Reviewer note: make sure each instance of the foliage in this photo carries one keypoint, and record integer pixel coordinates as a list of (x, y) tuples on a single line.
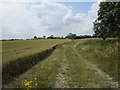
[(108, 22), (44, 37), (83, 36), (51, 37), (71, 36), (74, 36), (35, 37)]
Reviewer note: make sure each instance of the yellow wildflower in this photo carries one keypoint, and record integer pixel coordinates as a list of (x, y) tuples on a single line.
[(28, 84)]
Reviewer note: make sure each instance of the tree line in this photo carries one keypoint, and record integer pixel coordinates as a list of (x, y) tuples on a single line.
[(69, 36)]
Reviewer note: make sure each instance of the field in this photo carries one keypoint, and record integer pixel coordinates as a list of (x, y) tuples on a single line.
[(20, 55), (82, 63), (13, 50)]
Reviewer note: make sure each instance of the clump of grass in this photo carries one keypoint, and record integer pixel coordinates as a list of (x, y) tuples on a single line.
[(103, 53)]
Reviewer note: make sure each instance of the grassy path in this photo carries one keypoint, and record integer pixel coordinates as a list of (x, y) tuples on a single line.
[(76, 72), (62, 79), (66, 68), (98, 71)]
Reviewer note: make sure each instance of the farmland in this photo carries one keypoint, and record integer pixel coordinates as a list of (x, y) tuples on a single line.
[(60, 44), (13, 50), (82, 63), (21, 55)]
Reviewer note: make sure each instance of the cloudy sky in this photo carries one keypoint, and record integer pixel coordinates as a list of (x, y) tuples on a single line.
[(26, 19)]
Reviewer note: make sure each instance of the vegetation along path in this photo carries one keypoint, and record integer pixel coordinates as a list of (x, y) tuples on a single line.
[(77, 72), (67, 67), (98, 71), (62, 79)]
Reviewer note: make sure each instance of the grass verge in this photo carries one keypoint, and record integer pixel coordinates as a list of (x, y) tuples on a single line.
[(102, 53), (82, 76)]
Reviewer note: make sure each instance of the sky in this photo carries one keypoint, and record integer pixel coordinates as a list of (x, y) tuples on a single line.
[(27, 19)]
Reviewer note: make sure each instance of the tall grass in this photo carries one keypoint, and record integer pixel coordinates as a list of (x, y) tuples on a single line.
[(103, 53)]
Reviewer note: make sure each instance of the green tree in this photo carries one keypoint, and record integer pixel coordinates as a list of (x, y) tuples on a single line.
[(44, 37), (71, 36), (108, 22), (35, 37)]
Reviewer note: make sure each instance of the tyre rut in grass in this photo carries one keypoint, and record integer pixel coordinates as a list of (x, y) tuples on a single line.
[(62, 78)]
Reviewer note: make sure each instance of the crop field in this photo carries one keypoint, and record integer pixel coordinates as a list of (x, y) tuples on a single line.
[(13, 50), (82, 63)]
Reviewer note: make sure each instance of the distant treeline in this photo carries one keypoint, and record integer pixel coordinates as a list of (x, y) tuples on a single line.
[(50, 37), (74, 36), (69, 36), (11, 39)]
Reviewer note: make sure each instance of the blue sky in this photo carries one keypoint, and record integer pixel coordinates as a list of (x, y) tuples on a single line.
[(26, 19), (79, 7)]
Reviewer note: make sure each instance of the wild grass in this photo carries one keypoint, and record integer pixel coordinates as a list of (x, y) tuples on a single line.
[(42, 75), (102, 53), (82, 76)]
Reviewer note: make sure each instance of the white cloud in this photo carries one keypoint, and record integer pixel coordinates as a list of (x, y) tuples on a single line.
[(81, 23), (24, 20)]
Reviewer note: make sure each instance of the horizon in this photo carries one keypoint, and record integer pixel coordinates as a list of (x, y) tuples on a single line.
[(41, 37)]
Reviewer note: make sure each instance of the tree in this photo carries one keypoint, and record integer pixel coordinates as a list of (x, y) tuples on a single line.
[(44, 37), (51, 37), (62, 37), (108, 22), (35, 37), (71, 36)]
